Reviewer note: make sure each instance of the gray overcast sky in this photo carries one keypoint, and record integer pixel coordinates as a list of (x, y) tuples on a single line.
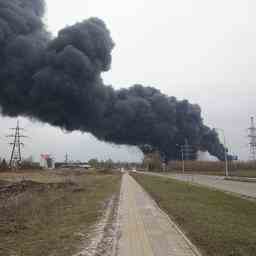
[(201, 50)]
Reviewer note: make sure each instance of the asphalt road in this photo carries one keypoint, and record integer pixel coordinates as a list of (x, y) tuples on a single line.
[(247, 189)]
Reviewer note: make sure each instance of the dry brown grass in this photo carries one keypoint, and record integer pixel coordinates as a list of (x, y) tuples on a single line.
[(37, 176), (197, 166), (214, 168), (45, 213)]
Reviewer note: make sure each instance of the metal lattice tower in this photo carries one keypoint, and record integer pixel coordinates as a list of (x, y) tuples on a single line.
[(16, 158), (66, 158), (252, 140)]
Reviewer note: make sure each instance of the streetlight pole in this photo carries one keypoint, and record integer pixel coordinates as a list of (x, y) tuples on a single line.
[(182, 157), (183, 161), (225, 146)]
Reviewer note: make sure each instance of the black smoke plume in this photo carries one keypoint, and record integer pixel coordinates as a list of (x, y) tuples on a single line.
[(58, 81)]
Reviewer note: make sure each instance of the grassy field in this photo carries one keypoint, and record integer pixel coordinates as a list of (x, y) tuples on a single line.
[(217, 223), (51, 213)]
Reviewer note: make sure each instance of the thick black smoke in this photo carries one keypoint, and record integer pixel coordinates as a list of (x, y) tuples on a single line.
[(59, 81)]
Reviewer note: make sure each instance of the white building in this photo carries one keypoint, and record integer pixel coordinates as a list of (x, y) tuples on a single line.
[(47, 161)]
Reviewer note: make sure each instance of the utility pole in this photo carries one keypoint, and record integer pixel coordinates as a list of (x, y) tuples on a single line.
[(183, 161), (16, 157), (252, 140), (186, 152), (226, 151)]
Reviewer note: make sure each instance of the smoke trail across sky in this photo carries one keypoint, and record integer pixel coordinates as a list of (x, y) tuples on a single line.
[(58, 81)]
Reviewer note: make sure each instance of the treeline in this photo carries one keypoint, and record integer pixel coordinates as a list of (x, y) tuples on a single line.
[(110, 164), (151, 162), (25, 164)]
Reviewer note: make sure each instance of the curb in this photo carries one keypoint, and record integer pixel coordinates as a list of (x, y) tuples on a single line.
[(172, 223), (241, 179), (117, 229), (190, 244)]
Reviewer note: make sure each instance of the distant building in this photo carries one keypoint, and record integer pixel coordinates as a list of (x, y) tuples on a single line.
[(206, 156), (74, 165), (47, 161), (153, 162)]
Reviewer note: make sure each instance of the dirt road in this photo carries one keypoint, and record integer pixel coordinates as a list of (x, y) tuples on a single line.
[(145, 230), (247, 189)]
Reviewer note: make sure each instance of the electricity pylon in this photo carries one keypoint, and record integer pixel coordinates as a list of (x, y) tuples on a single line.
[(15, 159)]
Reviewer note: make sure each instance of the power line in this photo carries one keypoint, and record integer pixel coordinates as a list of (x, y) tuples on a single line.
[(16, 157)]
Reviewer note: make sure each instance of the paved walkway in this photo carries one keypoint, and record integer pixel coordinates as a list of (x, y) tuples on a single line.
[(218, 182), (145, 229)]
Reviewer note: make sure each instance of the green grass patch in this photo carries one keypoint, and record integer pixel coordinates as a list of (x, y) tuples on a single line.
[(244, 173), (219, 224), (48, 218)]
